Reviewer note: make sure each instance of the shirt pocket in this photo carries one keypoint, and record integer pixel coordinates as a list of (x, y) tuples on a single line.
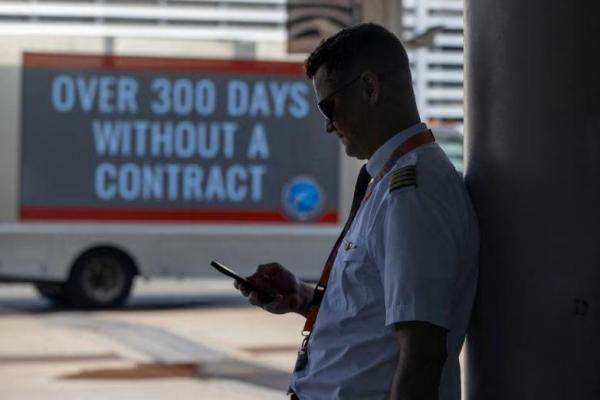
[(350, 293), (355, 254)]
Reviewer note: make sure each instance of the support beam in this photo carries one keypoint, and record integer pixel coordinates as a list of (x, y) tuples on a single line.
[(532, 113), (384, 12)]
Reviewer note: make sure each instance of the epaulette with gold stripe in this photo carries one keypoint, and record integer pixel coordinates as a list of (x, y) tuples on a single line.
[(403, 177)]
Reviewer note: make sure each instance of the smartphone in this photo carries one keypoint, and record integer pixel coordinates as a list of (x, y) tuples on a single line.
[(263, 295)]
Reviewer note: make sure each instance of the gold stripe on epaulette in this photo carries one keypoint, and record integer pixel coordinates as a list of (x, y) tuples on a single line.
[(404, 172), (410, 169), (399, 186), (403, 181), (406, 176), (407, 173), (403, 177)]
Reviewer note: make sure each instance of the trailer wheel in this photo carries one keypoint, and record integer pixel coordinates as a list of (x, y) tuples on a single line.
[(55, 292), (101, 278)]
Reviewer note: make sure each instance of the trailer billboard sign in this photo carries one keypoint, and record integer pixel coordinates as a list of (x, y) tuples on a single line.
[(147, 139)]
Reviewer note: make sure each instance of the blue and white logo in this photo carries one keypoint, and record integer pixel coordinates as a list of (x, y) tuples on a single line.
[(302, 198)]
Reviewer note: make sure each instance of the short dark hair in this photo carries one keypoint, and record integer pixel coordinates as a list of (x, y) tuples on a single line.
[(362, 46)]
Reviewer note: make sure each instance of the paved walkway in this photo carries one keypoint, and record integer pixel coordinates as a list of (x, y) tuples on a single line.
[(191, 341)]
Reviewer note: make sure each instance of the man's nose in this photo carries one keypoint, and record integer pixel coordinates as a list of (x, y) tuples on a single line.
[(329, 126)]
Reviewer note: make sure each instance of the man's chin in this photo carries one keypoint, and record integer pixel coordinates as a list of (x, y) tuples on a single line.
[(351, 151)]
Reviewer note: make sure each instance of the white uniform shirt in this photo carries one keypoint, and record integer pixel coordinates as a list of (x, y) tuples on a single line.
[(410, 255)]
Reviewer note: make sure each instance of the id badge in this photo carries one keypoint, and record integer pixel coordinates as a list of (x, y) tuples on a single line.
[(301, 361)]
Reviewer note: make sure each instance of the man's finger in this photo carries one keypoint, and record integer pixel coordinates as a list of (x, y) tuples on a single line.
[(241, 288), (261, 267), (253, 299), (274, 305)]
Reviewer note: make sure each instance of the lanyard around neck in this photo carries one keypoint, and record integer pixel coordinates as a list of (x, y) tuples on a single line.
[(418, 139)]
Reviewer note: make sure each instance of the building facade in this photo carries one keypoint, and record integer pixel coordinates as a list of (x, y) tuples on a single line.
[(244, 29), (438, 70)]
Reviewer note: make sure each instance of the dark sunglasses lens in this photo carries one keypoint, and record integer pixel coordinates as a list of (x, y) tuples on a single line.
[(326, 108)]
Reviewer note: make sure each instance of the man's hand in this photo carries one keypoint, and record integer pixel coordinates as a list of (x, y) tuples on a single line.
[(421, 360), (292, 295)]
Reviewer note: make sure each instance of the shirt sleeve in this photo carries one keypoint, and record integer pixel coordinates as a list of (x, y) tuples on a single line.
[(416, 254)]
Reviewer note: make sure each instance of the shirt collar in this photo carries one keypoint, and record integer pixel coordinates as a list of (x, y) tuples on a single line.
[(381, 155)]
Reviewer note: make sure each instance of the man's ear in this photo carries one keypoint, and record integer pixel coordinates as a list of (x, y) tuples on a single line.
[(371, 86)]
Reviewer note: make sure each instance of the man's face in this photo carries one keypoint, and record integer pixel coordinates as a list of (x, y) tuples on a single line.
[(344, 101)]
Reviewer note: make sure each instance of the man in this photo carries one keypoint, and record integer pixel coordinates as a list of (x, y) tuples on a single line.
[(392, 317)]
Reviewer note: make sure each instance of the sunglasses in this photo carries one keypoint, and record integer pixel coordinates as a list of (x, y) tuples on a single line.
[(327, 105)]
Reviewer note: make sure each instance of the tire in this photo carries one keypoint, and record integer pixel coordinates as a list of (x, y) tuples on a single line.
[(54, 292), (100, 279)]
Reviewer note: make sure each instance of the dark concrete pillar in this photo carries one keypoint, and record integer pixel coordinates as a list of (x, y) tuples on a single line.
[(532, 85)]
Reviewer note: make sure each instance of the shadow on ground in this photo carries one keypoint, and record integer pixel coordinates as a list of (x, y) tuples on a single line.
[(10, 305)]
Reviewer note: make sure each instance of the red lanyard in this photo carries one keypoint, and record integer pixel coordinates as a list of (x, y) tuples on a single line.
[(421, 138)]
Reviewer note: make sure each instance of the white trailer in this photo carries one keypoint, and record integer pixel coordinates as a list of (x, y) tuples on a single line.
[(88, 252)]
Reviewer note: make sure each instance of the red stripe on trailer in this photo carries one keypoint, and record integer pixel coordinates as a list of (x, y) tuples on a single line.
[(123, 214), (80, 61)]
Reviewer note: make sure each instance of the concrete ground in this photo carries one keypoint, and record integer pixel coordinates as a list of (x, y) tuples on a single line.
[(173, 340)]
